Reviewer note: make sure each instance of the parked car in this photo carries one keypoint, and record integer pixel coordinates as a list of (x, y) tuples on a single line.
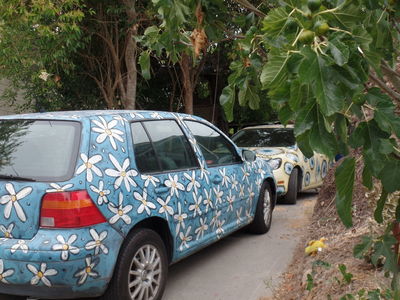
[(292, 170), (101, 202)]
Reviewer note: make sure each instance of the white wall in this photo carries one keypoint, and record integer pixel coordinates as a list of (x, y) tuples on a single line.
[(5, 108)]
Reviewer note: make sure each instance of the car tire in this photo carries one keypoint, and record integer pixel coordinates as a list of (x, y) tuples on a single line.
[(141, 245), (291, 196), (263, 217)]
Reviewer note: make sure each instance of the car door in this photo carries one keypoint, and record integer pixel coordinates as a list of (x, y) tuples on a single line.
[(171, 172), (229, 177)]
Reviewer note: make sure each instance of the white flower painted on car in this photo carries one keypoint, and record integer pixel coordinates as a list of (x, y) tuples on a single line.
[(194, 143), (41, 274), (220, 230), (225, 178), (20, 245), (185, 238), (11, 201), (149, 179), (180, 218), (246, 174), (165, 208), (241, 190), (102, 198), (156, 115), (4, 273), (121, 173), (66, 247), (136, 116), (174, 185), (193, 183), (89, 165), (204, 172), (259, 182), (58, 188), (195, 207), (120, 119), (208, 199), (107, 130), (201, 229), (231, 200), (218, 194), (239, 218), (234, 182), (87, 271), (7, 231), (97, 242), (251, 192), (120, 211), (215, 219), (261, 171), (144, 203)]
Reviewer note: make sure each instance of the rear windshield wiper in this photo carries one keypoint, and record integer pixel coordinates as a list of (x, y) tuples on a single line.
[(18, 178)]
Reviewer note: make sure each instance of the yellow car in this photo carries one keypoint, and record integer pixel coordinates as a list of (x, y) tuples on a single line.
[(292, 170)]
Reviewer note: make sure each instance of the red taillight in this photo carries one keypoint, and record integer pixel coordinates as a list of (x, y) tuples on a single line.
[(69, 210)]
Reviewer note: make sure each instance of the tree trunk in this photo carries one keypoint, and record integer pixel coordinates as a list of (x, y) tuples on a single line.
[(186, 68), (130, 57)]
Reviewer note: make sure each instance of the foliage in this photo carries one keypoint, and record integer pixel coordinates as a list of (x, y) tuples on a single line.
[(320, 83), (36, 42)]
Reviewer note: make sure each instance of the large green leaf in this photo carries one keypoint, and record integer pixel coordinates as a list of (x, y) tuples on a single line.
[(383, 248), (344, 178), (390, 175), (299, 94), (321, 140), (362, 37), (305, 118), (379, 206), (274, 73), (303, 141), (274, 22), (315, 68), (144, 62), (339, 51), (227, 100)]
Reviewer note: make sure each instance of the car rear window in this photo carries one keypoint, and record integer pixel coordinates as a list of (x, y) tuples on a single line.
[(265, 137), (39, 150)]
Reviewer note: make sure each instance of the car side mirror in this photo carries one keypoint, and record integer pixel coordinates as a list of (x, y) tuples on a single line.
[(248, 155)]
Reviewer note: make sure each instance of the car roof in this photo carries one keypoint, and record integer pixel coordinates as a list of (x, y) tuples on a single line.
[(265, 126), (85, 114)]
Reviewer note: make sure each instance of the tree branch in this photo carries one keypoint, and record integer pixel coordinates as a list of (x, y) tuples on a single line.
[(251, 7), (393, 94)]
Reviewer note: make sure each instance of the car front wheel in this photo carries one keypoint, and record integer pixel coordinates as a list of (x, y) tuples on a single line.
[(141, 270), (263, 217), (291, 195)]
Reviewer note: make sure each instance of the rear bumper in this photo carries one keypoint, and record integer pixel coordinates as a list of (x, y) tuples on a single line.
[(40, 268)]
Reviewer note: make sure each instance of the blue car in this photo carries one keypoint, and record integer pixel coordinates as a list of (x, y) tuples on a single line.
[(100, 203)]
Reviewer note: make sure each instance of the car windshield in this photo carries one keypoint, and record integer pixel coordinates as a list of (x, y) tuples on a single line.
[(38, 150), (265, 137)]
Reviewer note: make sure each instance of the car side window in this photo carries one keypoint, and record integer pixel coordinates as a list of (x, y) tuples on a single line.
[(216, 149), (161, 146)]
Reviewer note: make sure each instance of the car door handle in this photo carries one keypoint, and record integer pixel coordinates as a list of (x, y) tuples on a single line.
[(216, 179), (161, 189)]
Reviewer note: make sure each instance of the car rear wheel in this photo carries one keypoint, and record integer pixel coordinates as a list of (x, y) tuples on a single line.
[(141, 270), (291, 196), (263, 217)]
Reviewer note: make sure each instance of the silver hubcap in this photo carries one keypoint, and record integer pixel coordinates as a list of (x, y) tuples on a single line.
[(145, 273), (267, 207)]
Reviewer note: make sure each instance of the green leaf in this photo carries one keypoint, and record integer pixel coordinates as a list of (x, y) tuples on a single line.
[(144, 62), (274, 73), (285, 114), (339, 51), (361, 249), (298, 95), (367, 177), (303, 141), (362, 37), (310, 282), (383, 248), (347, 277), (305, 118), (390, 175), (344, 176), (315, 68), (227, 100), (275, 22), (379, 207)]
